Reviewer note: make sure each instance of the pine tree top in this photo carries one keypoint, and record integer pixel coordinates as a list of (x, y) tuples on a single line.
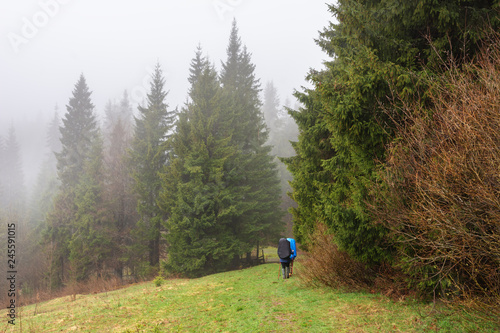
[(78, 133), (229, 70), (81, 97)]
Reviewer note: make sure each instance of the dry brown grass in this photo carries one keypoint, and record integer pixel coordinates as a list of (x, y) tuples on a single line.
[(326, 265), (92, 286)]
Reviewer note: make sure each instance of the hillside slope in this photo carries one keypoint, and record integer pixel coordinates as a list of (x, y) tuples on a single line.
[(250, 300)]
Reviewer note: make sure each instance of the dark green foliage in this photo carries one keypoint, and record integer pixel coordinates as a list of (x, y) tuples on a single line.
[(78, 133), (78, 200), (254, 170), (198, 65), (91, 245), (221, 189), (148, 156), (312, 148), (203, 207), (57, 236), (242, 88), (377, 46)]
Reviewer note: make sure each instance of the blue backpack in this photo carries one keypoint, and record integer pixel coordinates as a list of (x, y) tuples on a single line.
[(293, 248)]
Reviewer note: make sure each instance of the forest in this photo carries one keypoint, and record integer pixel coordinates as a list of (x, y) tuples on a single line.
[(393, 172), (191, 191)]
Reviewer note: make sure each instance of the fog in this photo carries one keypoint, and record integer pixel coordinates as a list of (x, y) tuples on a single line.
[(46, 44)]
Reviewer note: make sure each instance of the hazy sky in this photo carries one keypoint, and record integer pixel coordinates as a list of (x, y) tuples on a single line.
[(46, 44)]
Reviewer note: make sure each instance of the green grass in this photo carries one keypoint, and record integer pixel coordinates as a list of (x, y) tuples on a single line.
[(271, 253), (250, 300)]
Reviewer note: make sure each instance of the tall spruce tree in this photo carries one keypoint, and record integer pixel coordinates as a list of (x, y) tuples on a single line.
[(79, 135), (148, 156), (309, 174), (377, 47), (92, 244), (254, 171), (202, 205)]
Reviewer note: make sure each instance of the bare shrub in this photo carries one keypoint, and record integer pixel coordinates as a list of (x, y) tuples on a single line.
[(326, 265), (442, 186)]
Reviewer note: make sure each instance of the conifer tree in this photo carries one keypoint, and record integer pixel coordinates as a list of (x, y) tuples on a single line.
[(309, 175), (148, 156), (377, 47), (202, 205), (92, 244), (254, 171), (198, 65), (79, 135)]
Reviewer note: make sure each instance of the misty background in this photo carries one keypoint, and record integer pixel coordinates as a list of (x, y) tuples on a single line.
[(47, 44)]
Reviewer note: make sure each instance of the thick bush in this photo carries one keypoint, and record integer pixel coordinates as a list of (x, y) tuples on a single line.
[(442, 176)]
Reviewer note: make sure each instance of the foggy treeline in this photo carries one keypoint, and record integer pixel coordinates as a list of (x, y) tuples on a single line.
[(190, 190), (393, 167)]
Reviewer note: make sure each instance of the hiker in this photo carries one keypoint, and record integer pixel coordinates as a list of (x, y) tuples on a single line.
[(286, 254)]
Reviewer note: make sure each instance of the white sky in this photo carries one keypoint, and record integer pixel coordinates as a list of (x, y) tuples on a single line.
[(46, 44), (116, 42)]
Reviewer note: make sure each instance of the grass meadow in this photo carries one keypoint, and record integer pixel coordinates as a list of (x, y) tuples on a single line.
[(248, 300)]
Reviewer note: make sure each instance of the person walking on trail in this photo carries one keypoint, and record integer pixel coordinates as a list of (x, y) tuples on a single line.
[(286, 252)]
